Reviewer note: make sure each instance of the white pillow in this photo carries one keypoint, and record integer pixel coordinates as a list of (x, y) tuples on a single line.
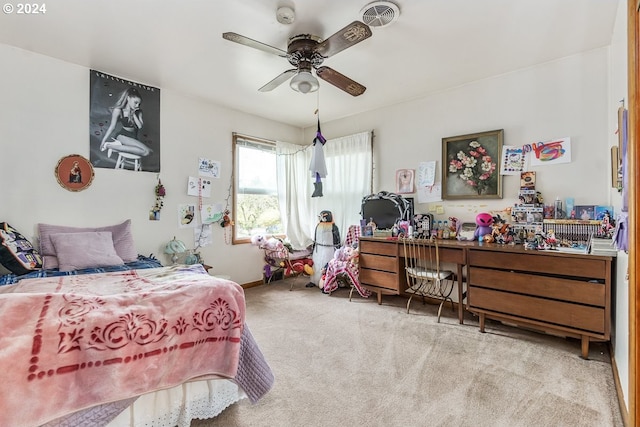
[(85, 250)]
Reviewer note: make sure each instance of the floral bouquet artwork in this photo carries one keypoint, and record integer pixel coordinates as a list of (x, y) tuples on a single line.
[(470, 167)]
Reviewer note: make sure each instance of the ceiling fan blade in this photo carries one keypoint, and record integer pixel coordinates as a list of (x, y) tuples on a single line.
[(340, 81), (234, 37), (346, 37), (278, 80)]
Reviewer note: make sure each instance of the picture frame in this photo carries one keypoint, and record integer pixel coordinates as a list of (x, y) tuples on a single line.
[(470, 166), (585, 212), (74, 172), (405, 181), (615, 167)]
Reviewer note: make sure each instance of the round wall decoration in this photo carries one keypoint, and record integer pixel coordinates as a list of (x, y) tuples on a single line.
[(74, 172)]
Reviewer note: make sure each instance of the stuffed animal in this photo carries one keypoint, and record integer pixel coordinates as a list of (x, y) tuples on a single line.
[(326, 241), (297, 266), (484, 221), (271, 244)]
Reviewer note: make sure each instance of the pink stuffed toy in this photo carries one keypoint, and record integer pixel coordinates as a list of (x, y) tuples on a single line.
[(484, 221)]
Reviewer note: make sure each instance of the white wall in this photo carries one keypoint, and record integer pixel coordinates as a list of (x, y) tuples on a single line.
[(564, 98), (44, 115)]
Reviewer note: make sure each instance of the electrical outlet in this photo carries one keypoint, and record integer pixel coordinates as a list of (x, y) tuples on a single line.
[(439, 209)]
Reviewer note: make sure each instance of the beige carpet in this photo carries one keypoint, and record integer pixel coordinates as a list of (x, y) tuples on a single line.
[(342, 363)]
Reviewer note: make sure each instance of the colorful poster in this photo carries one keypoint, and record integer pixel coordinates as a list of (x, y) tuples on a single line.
[(551, 152)]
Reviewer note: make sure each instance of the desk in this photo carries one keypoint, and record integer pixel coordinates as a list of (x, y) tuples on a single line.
[(382, 266), (550, 291)]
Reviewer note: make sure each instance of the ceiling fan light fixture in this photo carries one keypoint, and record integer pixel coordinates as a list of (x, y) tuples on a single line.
[(304, 82)]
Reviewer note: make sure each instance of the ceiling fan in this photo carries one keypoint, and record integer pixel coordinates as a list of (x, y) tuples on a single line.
[(307, 52)]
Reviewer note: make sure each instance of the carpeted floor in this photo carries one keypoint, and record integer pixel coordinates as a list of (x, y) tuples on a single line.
[(356, 363)]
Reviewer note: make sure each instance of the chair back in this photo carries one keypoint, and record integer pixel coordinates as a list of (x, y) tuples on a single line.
[(353, 236), (421, 255), (422, 267)]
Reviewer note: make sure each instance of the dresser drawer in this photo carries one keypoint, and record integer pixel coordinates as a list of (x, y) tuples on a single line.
[(380, 279), (576, 291), (579, 317), (379, 248), (540, 263), (377, 262)]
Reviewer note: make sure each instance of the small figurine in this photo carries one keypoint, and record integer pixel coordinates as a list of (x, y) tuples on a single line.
[(484, 221)]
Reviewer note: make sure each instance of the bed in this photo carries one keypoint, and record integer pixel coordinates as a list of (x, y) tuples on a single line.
[(128, 344)]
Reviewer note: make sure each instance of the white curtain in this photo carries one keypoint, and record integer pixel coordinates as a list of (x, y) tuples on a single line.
[(349, 167)]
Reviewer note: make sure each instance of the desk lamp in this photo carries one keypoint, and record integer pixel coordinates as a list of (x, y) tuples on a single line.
[(174, 248)]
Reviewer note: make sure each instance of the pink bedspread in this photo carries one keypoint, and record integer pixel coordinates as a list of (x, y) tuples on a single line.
[(71, 342)]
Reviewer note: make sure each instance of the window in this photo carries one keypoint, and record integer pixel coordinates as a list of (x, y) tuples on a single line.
[(255, 194)]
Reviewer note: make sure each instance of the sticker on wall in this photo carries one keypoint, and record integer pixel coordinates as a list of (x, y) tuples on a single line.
[(210, 168), (74, 172)]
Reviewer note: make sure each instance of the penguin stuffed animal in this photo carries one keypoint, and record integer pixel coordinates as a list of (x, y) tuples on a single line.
[(326, 241)]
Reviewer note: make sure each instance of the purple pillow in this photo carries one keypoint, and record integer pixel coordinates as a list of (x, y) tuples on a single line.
[(120, 233), (85, 250)]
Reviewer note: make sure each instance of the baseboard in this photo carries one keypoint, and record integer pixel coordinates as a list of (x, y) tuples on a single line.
[(252, 284), (616, 379)]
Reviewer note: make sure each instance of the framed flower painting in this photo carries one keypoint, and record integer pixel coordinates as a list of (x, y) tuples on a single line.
[(470, 166)]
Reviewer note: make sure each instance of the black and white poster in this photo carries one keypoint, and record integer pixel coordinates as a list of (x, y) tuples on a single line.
[(124, 124)]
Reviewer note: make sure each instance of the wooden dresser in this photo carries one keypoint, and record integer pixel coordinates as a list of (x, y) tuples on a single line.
[(551, 291), (379, 266)]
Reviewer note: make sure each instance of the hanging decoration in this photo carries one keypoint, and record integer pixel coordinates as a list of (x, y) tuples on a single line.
[(160, 192), (226, 222), (318, 165)]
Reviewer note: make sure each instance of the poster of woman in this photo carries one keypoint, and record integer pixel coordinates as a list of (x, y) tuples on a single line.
[(124, 119)]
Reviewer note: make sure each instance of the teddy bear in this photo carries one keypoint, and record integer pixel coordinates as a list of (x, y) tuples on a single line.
[(484, 221)]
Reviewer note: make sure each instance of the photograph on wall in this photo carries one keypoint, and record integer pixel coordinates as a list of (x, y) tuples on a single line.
[(124, 123)]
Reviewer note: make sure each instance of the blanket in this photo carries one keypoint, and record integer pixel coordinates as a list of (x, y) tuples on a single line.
[(72, 342)]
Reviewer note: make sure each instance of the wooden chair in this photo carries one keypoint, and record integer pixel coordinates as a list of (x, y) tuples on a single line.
[(424, 276)]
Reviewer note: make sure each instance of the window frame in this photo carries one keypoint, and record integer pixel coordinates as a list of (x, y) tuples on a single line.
[(236, 177)]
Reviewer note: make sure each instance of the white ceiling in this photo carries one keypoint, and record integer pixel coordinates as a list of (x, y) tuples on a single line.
[(435, 44)]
